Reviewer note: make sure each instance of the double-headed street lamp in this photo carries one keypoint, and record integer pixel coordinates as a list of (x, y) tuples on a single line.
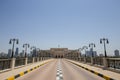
[(33, 48), (26, 46), (85, 48), (38, 50), (79, 51), (13, 41), (92, 45), (104, 41)]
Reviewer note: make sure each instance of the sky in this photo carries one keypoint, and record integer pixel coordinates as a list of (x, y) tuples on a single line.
[(68, 23)]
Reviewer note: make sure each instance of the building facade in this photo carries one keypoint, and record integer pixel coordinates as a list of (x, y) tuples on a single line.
[(59, 53), (116, 53)]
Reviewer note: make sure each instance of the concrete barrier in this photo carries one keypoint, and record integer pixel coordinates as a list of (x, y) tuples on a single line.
[(25, 72), (96, 73)]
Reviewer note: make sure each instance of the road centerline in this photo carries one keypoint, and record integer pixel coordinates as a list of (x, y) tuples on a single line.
[(59, 75)]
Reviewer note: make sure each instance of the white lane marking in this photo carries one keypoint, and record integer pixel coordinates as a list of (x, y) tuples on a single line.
[(59, 75)]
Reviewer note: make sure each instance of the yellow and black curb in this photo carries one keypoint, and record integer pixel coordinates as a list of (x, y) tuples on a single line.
[(23, 73), (99, 74)]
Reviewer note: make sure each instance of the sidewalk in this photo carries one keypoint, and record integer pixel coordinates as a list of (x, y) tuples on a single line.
[(111, 74), (7, 74)]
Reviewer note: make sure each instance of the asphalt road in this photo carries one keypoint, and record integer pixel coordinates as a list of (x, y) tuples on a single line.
[(66, 70)]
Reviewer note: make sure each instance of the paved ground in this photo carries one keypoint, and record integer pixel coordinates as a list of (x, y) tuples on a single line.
[(73, 72), (45, 72), (10, 73), (111, 74), (60, 69)]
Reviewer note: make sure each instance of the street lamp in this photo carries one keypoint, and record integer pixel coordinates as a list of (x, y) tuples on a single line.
[(92, 45), (12, 41), (104, 41), (32, 48), (79, 50), (85, 48), (26, 46), (38, 50)]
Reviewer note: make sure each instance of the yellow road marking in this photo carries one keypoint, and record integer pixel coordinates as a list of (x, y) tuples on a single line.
[(11, 78)]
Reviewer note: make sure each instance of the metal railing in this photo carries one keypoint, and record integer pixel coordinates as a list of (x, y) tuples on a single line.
[(30, 60), (15, 62), (88, 59), (82, 59), (98, 60), (114, 63), (5, 64), (19, 62), (35, 59)]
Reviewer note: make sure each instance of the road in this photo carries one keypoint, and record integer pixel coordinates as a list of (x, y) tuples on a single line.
[(60, 69)]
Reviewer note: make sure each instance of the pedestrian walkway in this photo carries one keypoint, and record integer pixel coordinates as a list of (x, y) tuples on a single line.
[(7, 74), (111, 74)]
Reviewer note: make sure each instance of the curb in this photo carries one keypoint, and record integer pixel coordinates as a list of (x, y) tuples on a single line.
[(94, 72), (25, 72)]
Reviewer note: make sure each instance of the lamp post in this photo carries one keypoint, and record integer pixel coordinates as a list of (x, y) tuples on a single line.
[(38, 50), (13, 41), (92, 45), (32, 48), (26, 46), (85, 48), (104, 41), (37, 54), (79, 50)]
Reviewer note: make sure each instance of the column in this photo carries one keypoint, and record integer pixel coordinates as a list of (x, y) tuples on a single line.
[(26, 59), (92, 61), (33, 60), (37, 59), (105, 63), (84, 59), (12, 63)]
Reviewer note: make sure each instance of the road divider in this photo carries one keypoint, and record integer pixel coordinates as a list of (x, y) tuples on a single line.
[(25, 72), (96, 73), (59, 75)]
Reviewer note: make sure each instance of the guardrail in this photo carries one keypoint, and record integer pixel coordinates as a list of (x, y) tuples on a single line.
[(19, 62), (88, 59), (35, 59), (111, 63), (98, 60), (30, 60), (114, 63), (5, 64), (15, 62)]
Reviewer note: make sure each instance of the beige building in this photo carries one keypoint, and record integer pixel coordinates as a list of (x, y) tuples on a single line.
[(60, 53)]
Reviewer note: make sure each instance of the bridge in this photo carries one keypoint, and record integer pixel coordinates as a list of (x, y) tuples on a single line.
[(60, 64)]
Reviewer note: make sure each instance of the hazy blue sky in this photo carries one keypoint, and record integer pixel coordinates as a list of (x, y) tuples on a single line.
[(68, 23)]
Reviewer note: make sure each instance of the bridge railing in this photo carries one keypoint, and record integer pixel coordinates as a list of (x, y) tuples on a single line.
[(30, 60), (16, 62), (5, 64), (106, 63), (98, 61), (35, 59), (19, 62), (82, 59), (113, 63), (88, 59)]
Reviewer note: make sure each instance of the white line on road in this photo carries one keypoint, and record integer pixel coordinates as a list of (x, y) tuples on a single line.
[(59, 75)]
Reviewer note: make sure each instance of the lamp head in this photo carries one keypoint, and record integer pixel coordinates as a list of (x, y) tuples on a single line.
[(17, 41), (10, 42)]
